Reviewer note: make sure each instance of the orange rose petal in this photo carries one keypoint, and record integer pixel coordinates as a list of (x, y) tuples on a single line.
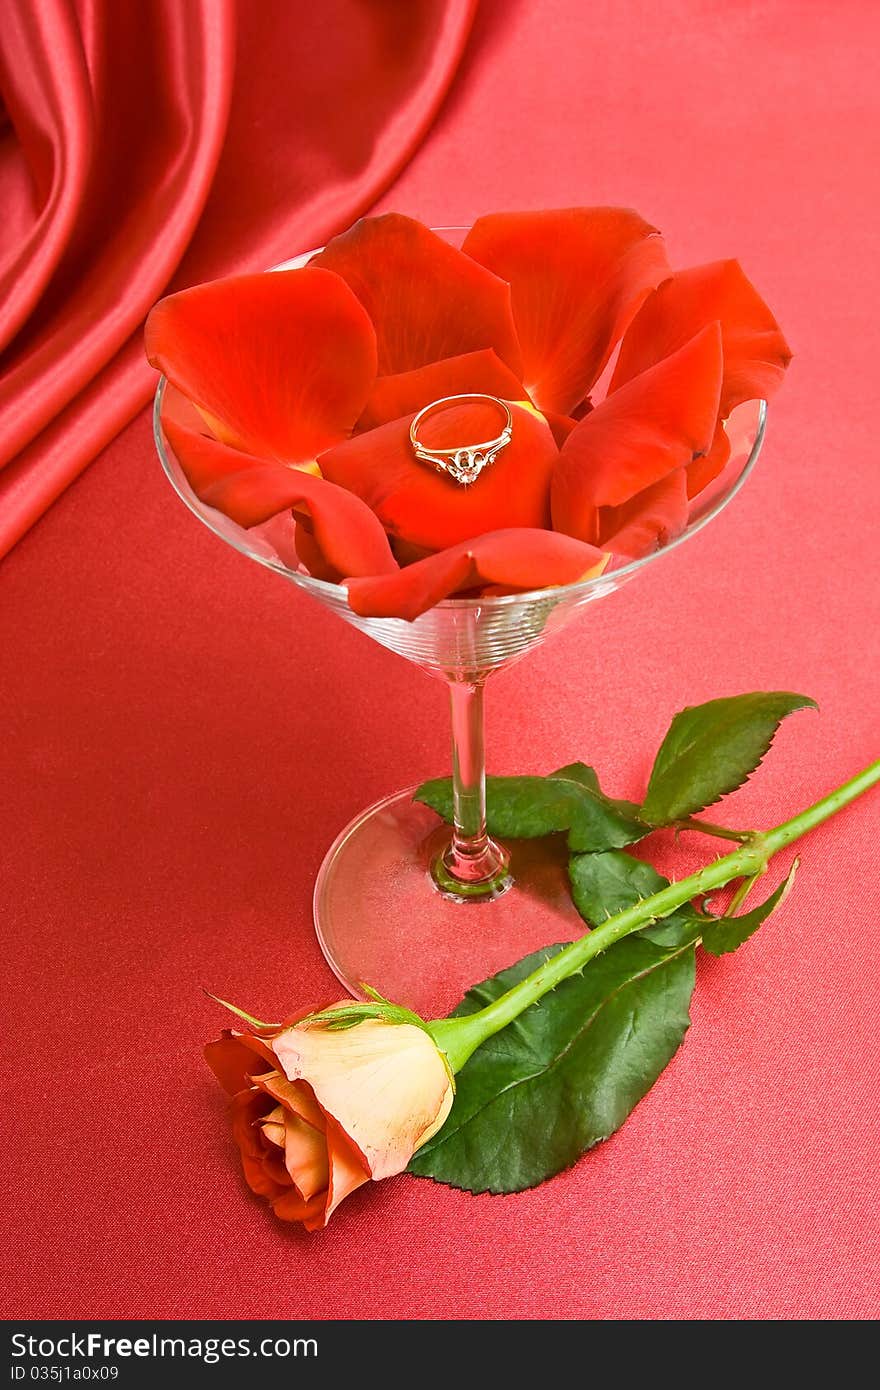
[(383, 1084), (577, 277), (295, 1096), (514, 559), (348, 534), (439, 1119), (426, 508), (656, 423), (755, 352), (427, 300), (274, 1167), (235, 1057), (282, 363), (705, 469), (649, 520), (290, 1206), (246, 1109), (471, 372), (273, 1126), (347, 1169), (305, 1156)]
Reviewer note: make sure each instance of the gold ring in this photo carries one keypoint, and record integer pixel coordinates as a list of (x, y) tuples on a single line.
[(465, 462)]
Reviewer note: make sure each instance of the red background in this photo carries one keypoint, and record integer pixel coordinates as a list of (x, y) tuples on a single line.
[(184, 735)]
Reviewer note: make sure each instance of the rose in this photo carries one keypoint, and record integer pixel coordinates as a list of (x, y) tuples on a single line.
[(309, 379), (329, 1100), (319, 1111)]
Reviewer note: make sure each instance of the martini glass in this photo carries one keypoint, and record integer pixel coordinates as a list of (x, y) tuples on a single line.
[(418, 909)]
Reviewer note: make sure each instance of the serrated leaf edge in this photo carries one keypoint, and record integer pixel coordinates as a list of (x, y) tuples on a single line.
[(438, 1141), (806, 702)]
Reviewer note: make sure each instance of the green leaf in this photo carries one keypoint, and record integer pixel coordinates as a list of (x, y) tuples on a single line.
[(603, 884), (566, 1073), (627, 811), (579, 772), (528, 807), (712, 749), (725, 934), (519, 807), (602, 822), (588, 777)]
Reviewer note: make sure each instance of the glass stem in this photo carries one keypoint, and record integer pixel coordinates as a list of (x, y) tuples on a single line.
[(472, 865)]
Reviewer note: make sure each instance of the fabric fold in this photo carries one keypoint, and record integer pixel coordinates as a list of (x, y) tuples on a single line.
[(212, 149), (159, 129), (44, 79)]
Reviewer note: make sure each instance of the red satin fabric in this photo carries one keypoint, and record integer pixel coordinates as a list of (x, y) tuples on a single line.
[(183, 736), (155, 145)]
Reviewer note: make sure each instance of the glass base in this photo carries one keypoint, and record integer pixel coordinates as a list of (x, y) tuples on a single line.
[(380, 917)]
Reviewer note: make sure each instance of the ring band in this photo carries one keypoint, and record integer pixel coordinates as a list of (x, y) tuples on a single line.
[(465, 462)]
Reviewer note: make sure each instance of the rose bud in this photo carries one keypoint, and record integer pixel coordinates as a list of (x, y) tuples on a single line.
[(321, 1107)]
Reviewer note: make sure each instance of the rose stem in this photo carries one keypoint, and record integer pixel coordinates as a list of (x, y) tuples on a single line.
[(459, 1037), (723, 833)]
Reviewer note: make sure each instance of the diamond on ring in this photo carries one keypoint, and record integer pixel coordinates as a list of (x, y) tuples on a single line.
[(465, 462)]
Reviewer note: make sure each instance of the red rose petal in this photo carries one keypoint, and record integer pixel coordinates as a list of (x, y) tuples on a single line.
[(755, 352), (280, 365), (561, 426), (577, 278), (310, 554), (407, 392), (250, 491), (649, 520), (706, 469), (515, 559), (429, 509), (658, 422), (280, 532), (426, 299)]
